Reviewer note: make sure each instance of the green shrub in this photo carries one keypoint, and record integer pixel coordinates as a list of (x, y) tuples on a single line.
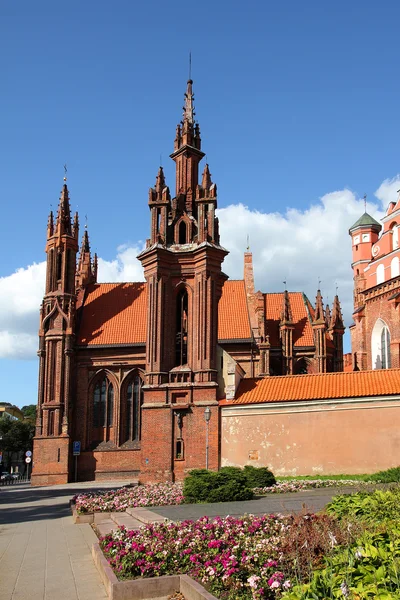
[(226, 485), (373, 507), (259, 477), (369, 568), (388, 476)]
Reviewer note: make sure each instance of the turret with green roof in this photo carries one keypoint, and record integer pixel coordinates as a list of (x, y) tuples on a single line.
[(366, 221)]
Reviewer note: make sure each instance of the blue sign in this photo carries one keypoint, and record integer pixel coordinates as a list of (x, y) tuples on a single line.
[(28, 453), (76, 448)]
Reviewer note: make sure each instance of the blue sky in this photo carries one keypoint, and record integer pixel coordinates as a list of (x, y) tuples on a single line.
[(296, 102)]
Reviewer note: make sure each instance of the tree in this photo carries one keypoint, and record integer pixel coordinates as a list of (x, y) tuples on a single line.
[(29, 412), (16, 436)]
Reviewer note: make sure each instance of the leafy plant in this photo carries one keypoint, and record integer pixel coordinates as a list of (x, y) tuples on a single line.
[(227, 484), (259, 477), (375, 508), (388, 476)]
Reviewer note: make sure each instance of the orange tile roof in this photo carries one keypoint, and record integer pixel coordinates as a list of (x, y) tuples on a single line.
[(233, 314), (355, 384), (302, 335), (115, 313)]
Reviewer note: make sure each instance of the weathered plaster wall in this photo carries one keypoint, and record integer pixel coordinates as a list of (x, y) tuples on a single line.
[(318, 437)]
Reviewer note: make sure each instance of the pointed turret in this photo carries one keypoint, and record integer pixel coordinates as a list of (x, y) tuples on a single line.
[(160, 206), (327, 315), (84, 274), (286, 328), (337, 318), (319, 316), (160, 181), (50, 225), (206, 182), (188, 108), (319, 328), (187, 150), (63, 224), (95, 267), (286, 314), (336, 331), (75, 227)]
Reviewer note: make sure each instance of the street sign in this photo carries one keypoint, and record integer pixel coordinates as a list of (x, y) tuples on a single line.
[(28, 459), (76, 448), (28, 453)]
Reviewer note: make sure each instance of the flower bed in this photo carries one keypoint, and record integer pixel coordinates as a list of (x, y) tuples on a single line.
[(248, 558), (297, 485), (164, 494), (118, 500)]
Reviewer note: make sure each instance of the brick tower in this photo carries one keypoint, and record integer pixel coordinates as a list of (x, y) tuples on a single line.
[(56, 347), (182, 266)]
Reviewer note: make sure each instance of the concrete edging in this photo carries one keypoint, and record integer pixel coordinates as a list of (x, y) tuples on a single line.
[(146, 588)]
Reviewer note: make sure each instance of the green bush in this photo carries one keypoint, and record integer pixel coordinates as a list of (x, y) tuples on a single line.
[(226, 485), (388, 476), (369, 568), (375, 508), (259, 477)]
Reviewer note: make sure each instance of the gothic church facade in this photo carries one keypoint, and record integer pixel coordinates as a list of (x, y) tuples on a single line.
[(136, 372)]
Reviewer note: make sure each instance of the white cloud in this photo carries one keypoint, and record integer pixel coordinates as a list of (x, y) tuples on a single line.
[(388, 191), (297, 246), (125, 267), (20, 296)]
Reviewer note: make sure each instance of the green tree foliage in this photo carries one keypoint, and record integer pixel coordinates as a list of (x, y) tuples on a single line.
[(16, 436), (29, 412), (226, 485)]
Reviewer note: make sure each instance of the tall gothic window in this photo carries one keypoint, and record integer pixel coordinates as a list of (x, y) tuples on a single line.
[(380, 346), (103, 403), (181, 328), (133, 403), (385, 348)]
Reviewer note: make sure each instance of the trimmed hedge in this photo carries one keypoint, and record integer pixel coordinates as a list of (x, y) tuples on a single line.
[(226, 485)]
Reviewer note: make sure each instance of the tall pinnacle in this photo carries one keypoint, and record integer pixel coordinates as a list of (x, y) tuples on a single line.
[(64, 225), (188, 108), (319, 308)]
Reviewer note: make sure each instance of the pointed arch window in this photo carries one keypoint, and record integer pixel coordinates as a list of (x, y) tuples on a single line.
[(394, 267), (181, 348), (133, 404), (182, 232), (380, 274), (380, 346), (103, 403)]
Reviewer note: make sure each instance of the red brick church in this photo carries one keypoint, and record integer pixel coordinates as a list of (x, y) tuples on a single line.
[(136, 372)]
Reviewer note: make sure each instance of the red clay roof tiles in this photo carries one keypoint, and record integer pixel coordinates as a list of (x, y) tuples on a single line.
[(302, 335), (356, 384), (115, 313)]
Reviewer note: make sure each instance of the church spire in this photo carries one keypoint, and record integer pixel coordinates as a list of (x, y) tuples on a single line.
[(206, 182), (188, 108), (327, 315), (286, 315), (85, 272), (63, 223), (337, 318), (319, 308)]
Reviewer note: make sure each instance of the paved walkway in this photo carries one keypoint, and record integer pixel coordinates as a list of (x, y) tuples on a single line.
[(43, 555), (311, 501)]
